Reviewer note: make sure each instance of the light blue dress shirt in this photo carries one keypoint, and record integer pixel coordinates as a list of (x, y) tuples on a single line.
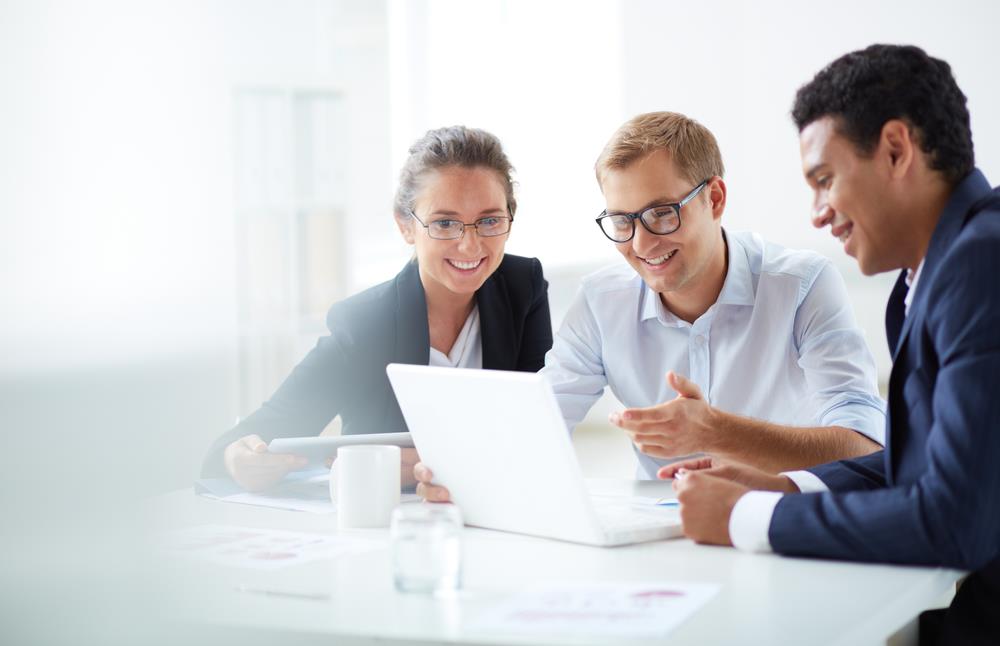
[(780, 344)]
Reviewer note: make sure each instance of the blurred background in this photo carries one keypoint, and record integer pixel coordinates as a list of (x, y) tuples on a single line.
[(186, 186)]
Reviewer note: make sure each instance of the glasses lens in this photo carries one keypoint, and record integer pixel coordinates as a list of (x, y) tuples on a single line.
[(493, 226), (661, 219), (445, 229), (617, 227)]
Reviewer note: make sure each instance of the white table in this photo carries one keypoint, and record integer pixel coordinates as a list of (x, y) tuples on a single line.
[(764, 599)]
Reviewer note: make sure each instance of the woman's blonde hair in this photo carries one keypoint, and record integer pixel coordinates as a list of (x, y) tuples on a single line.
[(452, 146)]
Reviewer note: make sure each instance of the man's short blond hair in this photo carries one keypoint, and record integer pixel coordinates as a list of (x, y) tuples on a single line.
[(691, 145)]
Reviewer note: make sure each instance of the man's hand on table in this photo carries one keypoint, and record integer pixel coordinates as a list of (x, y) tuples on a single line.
[(750, 477), (707, 491)]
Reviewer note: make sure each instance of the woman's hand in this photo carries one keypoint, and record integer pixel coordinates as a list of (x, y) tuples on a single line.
[(253, 468), (426, 490), (408, 461)]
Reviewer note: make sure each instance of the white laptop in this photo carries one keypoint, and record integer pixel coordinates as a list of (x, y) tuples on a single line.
[(498, 442)]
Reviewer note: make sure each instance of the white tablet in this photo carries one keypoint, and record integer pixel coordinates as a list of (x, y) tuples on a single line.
[(318, 449)]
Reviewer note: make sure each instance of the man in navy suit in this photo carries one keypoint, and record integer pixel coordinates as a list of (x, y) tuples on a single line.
[(887, 150)]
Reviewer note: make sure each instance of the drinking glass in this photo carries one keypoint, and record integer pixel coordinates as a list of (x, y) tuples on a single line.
[(427, 548)]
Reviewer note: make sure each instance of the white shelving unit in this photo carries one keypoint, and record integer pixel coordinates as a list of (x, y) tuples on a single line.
[(290, 218)]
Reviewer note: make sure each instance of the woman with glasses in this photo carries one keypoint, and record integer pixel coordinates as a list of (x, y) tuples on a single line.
[(459, 302)]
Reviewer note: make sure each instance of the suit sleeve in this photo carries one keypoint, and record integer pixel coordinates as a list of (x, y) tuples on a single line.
[(865, 472), (537, 338), (303, 405), (947, 515)]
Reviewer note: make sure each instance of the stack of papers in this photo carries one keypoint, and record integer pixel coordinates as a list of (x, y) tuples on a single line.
[(301, 491), (307, 491)]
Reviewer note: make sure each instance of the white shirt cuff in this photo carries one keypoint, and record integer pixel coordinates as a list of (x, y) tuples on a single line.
[(806, 481), (751, 519)]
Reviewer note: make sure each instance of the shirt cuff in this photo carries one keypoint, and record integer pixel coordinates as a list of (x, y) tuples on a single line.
[(806, 481), (865, 416), (750, 520)]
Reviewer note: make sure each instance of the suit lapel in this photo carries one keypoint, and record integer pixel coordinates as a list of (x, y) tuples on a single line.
[(944, 233), (946, 230), (496, 324), (413, 338), (964, 201)]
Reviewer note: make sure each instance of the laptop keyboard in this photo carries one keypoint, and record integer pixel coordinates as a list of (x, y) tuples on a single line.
[(621, 518)]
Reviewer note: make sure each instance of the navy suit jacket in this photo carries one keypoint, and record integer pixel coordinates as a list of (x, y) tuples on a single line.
[(932, 496), (345, 373)]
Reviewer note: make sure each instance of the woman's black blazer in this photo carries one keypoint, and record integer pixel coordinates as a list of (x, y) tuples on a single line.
[(345, 373)]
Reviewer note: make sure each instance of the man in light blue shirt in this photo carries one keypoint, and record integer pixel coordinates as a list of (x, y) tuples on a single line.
[(766, 363)]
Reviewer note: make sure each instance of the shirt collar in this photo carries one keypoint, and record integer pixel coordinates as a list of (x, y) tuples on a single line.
[(737, 289), (911, 282), (738, 286), (651, 306)]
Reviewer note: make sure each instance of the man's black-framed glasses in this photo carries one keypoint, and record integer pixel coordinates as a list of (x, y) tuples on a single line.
[(660, 220), (450, 229)]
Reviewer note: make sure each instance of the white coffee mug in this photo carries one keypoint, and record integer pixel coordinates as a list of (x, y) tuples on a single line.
[(367, 482)]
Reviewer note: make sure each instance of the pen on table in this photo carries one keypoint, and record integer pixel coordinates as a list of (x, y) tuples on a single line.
[(311, 596)]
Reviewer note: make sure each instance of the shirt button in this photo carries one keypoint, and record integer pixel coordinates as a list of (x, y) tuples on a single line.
[(699, 339)]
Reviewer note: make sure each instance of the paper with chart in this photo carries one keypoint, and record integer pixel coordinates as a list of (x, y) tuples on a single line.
[(605, 609), (249, 547)]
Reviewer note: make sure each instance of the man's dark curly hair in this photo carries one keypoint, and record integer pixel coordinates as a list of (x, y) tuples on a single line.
[(864, 89)]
